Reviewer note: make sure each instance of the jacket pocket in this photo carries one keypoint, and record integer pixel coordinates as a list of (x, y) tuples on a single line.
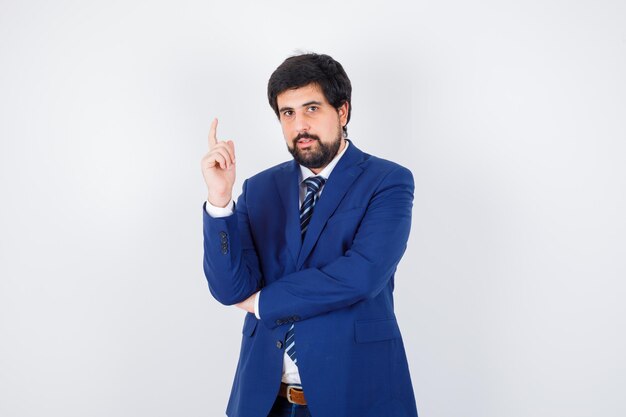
[(249, 324), (376, 330)]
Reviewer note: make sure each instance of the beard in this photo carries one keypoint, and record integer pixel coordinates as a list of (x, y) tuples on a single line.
[(318, 155)]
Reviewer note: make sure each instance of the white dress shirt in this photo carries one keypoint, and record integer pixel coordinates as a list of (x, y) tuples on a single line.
[(290, 370)]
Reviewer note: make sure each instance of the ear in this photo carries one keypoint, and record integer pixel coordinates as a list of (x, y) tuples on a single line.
[(343, 113)]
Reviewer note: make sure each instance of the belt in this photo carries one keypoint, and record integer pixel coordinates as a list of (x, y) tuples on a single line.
[(293, 393)]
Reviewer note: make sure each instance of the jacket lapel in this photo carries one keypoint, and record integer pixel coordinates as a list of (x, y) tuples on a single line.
[(288, 188), (340, 180)]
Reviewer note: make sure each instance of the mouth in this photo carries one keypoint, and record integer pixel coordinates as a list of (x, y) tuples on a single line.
[(305, 142)]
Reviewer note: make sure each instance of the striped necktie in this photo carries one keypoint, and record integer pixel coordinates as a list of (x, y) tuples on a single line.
[(313, 186)]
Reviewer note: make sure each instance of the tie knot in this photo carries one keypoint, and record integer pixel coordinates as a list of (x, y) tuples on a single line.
[(314, 183)]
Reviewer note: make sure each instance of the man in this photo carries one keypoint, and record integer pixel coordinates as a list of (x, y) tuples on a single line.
[(309, 251)]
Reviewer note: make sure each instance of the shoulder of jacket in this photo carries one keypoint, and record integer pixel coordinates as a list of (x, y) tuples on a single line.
[(380, 166)]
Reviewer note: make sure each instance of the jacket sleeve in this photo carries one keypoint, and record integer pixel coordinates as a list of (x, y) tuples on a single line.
[(363, 270), (231, 264)]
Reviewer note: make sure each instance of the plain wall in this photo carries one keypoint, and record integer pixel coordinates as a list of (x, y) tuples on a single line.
[(511, 116)]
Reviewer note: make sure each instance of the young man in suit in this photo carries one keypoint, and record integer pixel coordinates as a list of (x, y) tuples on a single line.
[(309, 251)]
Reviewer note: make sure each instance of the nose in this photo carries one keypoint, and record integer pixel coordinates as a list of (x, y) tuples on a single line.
[(301, 125)]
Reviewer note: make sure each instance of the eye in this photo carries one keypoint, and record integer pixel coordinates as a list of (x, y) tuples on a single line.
[(288, 113), (312, 108)]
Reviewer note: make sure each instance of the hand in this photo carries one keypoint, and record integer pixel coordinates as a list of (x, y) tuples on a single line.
[(248, 303), (218, 168)]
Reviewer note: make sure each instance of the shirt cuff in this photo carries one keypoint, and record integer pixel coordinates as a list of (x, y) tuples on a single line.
[(256, 305), (220, 211)]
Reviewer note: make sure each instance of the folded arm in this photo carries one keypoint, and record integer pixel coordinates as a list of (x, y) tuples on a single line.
[(363, 270)]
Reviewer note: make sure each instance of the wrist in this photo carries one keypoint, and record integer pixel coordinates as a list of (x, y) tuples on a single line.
[(220, 202)]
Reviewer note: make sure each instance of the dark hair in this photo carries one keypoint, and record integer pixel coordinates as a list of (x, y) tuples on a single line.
[(300, 70)]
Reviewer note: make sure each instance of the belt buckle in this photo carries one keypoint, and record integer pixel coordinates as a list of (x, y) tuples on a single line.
[(289, 388)]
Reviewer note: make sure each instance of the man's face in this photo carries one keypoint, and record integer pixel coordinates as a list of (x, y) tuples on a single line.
[(311, 125)]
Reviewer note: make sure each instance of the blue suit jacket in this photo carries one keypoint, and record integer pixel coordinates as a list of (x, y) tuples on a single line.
[(336, 285)]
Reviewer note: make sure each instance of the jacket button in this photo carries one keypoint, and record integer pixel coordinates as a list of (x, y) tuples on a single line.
[(279, 344), (223, 234)]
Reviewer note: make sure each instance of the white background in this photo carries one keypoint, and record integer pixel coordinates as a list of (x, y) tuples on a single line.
[(511, 116)]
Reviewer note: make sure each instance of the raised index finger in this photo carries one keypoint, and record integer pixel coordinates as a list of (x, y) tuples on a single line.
[(213, 133)]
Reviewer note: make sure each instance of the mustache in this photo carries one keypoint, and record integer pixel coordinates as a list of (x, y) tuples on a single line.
[(305, 136)]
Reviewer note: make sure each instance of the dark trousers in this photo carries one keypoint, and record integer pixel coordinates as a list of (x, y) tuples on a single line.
[(283, 408)]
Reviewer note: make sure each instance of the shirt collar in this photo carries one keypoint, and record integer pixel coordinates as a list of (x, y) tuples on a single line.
[(325, 173)]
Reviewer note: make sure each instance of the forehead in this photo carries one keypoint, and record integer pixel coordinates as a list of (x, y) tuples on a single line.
[(296, 97)]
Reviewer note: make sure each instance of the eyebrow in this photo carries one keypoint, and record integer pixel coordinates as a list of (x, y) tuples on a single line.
[(308, 103)]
